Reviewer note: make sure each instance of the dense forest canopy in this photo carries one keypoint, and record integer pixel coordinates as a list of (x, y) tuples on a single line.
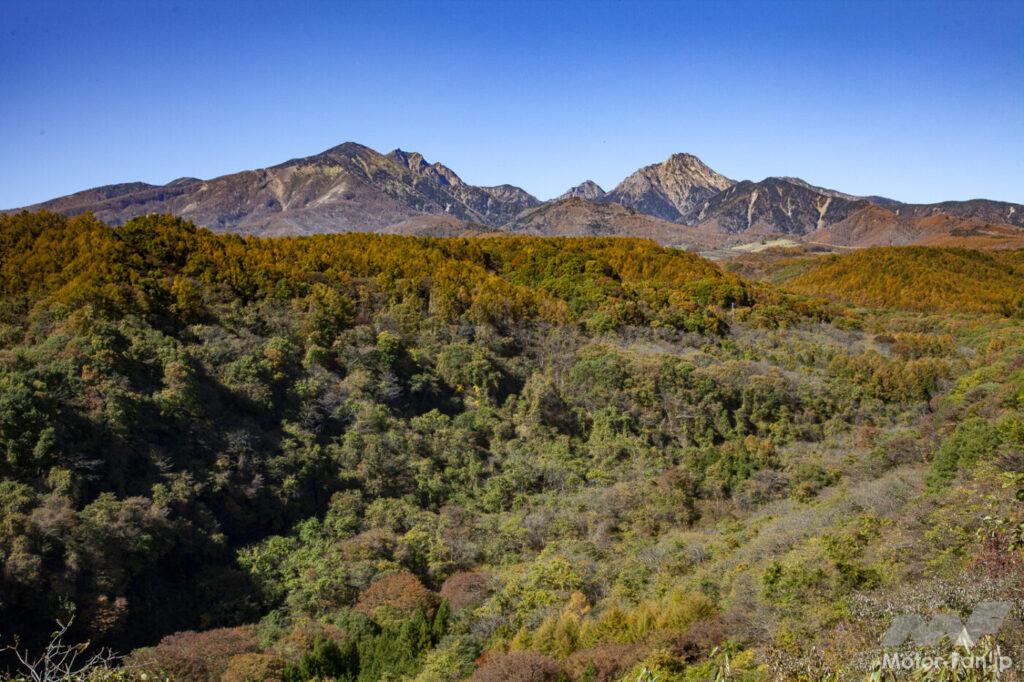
[(920, 278), (156, 266), (366, 457)]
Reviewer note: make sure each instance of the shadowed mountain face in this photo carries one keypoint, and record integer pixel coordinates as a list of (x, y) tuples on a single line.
[(774, 206), (792, 208), (680, 201)]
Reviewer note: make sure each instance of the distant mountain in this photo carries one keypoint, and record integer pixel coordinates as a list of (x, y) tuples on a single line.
[(577, 217), (985, 209), (773, 206), (878, 226), (878, 201), (488, 205), (588, 189), (680, 201), (670, 189), (795, 209), (349, 187)]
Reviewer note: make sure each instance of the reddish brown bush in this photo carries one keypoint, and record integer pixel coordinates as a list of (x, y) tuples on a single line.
[(996, 558), (253, 668), (467, 589), (302, 636), (518, 666), (400, 591), (700, 638), (196, 656), (376, 543), (604, 663)]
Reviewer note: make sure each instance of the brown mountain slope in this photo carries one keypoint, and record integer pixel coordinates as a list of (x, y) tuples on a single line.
[(576, 217), (877, 226), (872, 226), (974, 233), (792, 208), (489, 205), (998, 212), (439, 226), (349, 187)]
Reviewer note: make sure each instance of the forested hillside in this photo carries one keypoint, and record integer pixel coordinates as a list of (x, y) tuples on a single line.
[(369, 457), (921, 278)]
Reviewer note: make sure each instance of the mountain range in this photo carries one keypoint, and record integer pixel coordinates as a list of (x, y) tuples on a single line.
[(679, 202)]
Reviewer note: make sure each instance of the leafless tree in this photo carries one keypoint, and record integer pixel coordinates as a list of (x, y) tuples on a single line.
[(59, 661)]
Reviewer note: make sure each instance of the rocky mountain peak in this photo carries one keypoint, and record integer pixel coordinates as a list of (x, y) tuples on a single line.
[(588, 189), (343, 150), (683, 159), (182, 181), (683, 167), (413, 161), (672, 189)]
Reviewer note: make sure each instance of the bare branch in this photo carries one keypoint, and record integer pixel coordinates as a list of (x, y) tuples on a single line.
[(60, 662)]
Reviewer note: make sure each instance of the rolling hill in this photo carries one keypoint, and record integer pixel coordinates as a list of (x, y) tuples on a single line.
[(947, 280)]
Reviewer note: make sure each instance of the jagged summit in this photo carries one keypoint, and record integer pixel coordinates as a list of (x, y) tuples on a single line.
[(670, 189), (414, 161), (588, 189)]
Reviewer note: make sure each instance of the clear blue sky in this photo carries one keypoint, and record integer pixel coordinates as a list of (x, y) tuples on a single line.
[(921, 101)]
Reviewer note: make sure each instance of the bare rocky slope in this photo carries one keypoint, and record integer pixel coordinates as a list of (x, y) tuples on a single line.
[(588, 189), (671, 189), (347, 188)]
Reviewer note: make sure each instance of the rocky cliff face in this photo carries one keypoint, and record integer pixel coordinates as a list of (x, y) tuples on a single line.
[(492, 206), (588, 189), (670, 190), (773, 206)]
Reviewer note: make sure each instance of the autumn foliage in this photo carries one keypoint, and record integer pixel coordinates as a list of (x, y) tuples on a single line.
[(403, 592), (160, 265), (518, 666), (467, 589), (920, 278), (197, 656)]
